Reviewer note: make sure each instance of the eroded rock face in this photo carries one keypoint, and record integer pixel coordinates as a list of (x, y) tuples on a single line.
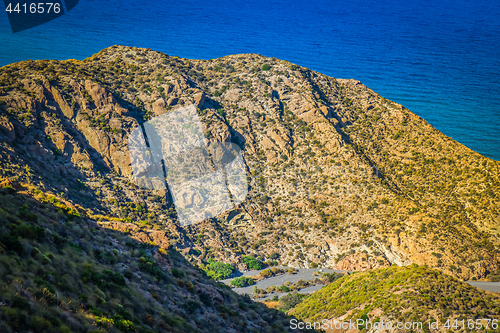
[(7, 128), (144, 235), (199, 99), (159, 107), (189, 197), (359, 262), (102, 99), (335, 170)]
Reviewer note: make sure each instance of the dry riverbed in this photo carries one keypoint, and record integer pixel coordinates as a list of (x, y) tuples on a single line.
[(307, 274)]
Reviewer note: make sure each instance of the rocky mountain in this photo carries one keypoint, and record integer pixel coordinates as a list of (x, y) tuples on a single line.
[(338, 175)]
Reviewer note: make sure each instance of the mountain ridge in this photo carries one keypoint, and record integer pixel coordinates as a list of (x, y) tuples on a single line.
[(340, 176)]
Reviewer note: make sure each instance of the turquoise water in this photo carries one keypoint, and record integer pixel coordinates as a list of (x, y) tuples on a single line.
[(439, 59)]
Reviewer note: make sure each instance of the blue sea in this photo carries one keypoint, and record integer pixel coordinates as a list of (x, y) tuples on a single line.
[(440, 59)]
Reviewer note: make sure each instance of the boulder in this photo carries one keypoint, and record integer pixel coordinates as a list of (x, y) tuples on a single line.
[(159, 107), (199, 99)]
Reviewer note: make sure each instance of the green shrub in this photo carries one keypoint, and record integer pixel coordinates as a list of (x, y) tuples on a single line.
[(266, 273), (103, 322), (64, 329), (11, 242), (397, 135), (26, 215), (242, 281), (266, 67), (40, 324), (30, 232), (20, 303), (252, 263), (290, 301), (330, 277), (177, 273), (9, 189), (191, 306), (190, 286), (218, 270), (124, 325), (205, 299), (274, 255), (146, 264), (104, 280)]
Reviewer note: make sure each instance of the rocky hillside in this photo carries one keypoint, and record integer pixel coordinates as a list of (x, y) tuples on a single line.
[(338, 175), (410, 294), (61, 272)]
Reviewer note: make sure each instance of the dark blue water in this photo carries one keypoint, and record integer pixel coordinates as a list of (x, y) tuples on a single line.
[(438, 58)]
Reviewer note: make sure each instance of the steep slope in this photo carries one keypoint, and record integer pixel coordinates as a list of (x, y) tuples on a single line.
[(61, 272), (338, 175), (409, 294)]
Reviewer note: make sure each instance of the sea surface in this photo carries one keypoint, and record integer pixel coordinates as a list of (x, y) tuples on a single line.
[(440, 59)]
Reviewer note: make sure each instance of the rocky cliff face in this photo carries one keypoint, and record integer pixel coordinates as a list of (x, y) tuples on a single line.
[(338, 175)]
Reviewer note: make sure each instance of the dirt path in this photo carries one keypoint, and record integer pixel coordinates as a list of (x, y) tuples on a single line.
[(488, 286), (305, 274)]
